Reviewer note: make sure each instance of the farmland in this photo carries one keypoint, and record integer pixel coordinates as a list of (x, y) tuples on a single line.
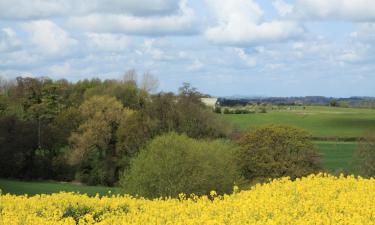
[(329, 125), (311, 200), (320, 121)]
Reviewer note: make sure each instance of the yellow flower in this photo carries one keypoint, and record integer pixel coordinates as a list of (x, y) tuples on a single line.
[(316, 199)]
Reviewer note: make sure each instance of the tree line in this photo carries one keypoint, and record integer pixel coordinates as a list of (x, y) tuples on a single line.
[(89, 130)]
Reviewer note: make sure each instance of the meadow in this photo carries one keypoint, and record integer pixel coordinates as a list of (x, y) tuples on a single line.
[(45, 187), (321, 121)]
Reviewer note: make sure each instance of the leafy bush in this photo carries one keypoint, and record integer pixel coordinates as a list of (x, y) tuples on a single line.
[(364, 156), (172, 164), (273, 151)]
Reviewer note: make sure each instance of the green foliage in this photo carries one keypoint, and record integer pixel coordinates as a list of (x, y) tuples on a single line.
[(273, 151), (333, 103), (172, 164), (217, 110), (94, 143), (364, 156), (51, 129)]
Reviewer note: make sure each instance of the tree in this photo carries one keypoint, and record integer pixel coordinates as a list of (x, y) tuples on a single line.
[(134, 131), (196, 119), (273, 151), (94, 143), (18, 143), (333, 103), (172, 164), (5, 85), (130, 77), (364, 156), (149, 83)]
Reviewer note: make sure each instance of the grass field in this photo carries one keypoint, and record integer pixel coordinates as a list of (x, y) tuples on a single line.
[(337, 156), (320, 121), (32, 188)]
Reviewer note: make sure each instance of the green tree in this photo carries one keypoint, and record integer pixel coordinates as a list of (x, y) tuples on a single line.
[(172, 164), (273, 151), (194, 118), (134, 131), (94, 143)]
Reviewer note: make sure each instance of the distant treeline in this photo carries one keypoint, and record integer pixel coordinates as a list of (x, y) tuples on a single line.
[(363, 102)]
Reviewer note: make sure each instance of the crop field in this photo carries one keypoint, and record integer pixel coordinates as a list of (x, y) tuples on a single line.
[(318, 199), (320, 121)]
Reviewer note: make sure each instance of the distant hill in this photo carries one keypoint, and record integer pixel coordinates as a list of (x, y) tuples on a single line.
[(368, 102)]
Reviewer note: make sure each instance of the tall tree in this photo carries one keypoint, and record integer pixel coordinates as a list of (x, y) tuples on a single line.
[(94, 143)]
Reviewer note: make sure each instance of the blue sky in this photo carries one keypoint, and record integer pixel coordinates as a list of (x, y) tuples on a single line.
[(222, 47)]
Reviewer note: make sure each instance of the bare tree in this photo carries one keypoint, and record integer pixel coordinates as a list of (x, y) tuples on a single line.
[(130, 76), (149, 82), (5, 85)]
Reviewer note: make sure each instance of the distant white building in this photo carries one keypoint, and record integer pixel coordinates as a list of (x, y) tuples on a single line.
[(210, 102)]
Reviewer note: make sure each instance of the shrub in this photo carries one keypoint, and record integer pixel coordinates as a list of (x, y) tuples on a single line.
[(172, 164), (364, 156), (217, 109), (226, 111), (273, 151)]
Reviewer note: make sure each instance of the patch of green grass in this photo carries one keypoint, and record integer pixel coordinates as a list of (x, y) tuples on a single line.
[(337, 156), (320, 121), (33, 188)]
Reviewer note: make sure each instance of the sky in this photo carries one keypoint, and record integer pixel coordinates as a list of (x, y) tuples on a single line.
[(222, 47)]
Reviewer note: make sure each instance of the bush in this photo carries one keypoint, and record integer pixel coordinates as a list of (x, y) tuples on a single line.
[(273, 151), (226, 111), (364, 156), (172, 164)]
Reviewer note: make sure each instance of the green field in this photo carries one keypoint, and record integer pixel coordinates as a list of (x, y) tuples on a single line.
[(320, 121), (337, 156), (32, 188)]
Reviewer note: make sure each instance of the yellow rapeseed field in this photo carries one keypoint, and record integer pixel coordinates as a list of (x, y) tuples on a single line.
[(317, 199)]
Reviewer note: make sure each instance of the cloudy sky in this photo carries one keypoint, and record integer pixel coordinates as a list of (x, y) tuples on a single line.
[(223, 47)]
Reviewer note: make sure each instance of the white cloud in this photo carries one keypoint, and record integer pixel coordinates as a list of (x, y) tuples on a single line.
[(365, 32), (148, 48), (8, 40), (347, 10), (38, 9), (179, 23), (49, 38), (137, 7), (348, 56), (282, 7), (240, 23), (195, 66), (108, 42), (60, 69), (26, 9), (249, 61)]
